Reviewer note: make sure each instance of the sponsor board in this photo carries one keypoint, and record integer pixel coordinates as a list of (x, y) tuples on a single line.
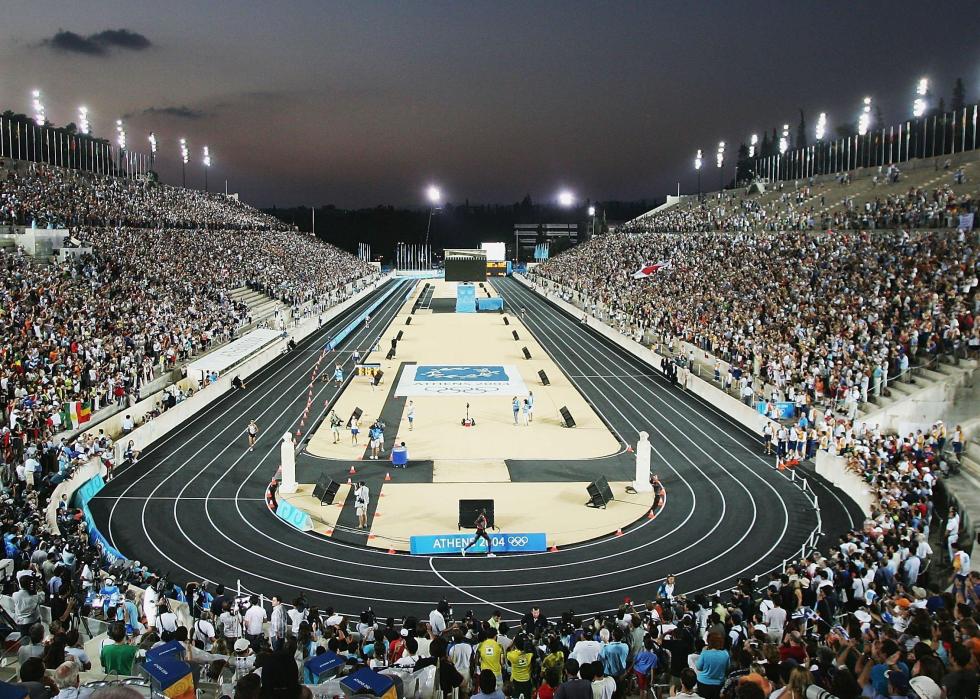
[(460, 380), (503, 542)]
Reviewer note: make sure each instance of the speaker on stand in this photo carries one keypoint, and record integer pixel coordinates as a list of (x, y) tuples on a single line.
[(527, 355), (599, 493), (566, 417)]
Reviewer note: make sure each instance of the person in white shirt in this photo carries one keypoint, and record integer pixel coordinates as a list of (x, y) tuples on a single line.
[(952, 531), (244, 658), (775, 619), (437, 618), (255, 618), (586, 650), (231, 622), (149, 602), (204, 633), (297, 615), (166, 618)]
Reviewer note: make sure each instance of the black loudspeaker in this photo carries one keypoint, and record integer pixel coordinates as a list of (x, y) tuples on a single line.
[(506, 320), (408, 321), (357, 413), (391, 354), (400, 333), (321, 486), (599, 493), (544, 378), (514, 333), (567, 417), (470, 509), (330, 492), (394, 342), (377, 377), (527, 355)]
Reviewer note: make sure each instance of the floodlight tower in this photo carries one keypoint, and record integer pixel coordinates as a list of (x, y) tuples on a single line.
[(206, 159), (697, 166), (184, 158)]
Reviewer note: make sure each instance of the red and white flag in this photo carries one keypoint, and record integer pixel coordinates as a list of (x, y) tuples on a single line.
[(650, 269)]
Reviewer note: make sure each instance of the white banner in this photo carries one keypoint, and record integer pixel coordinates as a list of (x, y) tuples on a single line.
[(460, 380)]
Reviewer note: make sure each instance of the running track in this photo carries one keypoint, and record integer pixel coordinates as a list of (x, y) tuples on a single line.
[(193, 506)]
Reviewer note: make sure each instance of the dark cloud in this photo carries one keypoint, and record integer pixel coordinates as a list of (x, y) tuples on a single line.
[(97, 44), (122, 38), (177, 112), (74, 43)]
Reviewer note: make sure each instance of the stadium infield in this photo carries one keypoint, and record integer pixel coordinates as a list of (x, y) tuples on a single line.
[(194, 505)]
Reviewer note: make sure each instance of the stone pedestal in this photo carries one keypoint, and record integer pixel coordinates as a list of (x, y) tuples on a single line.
[(287, 455), (641, 483)]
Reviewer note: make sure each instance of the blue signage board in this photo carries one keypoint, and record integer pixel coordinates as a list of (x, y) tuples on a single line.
[(461, 373), (505, 542), (294, 516)]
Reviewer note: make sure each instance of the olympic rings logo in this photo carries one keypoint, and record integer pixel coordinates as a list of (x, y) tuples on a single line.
[(517, 541)]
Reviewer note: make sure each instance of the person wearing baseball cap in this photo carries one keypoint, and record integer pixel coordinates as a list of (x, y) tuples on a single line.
[(925, 688), (243, 659)]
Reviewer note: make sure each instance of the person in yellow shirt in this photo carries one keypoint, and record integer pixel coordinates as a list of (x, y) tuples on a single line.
[(521, 661), (491, 654)]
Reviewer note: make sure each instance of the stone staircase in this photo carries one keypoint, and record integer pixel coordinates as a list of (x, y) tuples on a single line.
[(261, 307), (921, 378)]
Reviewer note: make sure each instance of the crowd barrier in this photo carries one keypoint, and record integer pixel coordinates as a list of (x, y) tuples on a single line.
[(834, 469), (352, 326)]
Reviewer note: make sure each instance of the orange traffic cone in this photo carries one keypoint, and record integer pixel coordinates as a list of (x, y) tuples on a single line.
[(348, 483), (388, 476), (629, 449), (619, 532), (391, 551), (553, 548), (352, 470), (651, 515), (297, 432)]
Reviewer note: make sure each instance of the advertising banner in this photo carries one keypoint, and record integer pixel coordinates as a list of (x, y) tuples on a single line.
[(447, 380), (294, 516), (503, 542)]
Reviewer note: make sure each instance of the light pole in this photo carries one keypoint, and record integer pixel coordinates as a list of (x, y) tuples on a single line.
[(697, 166), (919, 107), (720, 160), (783, 147), (206, 159), (592, 216), (153, 149), (753, 146), (434, 195), (821, 131), (184, 157), (38, 106), (83, 126), (864, 122), (121, 142)]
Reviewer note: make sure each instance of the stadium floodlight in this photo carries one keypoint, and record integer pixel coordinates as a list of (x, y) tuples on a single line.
[(821, 126), (864, 120), (784, 139), (919, 105), (120, 134), (184, 153), (153, 143), (697, 160), (434, 195), (720, 155), (591, 211), (206, 159), (566, 198), (38, 107), (752, 144), (83, 124)]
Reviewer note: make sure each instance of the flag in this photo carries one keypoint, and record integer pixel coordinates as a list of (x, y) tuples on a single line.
[(67, 416), (650, 269), (84, 412)]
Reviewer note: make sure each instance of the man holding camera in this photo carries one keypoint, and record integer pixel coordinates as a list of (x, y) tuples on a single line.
[(27, 604)]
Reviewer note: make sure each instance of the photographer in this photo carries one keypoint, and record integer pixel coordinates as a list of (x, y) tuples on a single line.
[(27, 604)]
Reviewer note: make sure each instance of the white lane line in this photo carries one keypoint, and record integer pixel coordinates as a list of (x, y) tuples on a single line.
[(432, 565), (523, 296), (250, 394)]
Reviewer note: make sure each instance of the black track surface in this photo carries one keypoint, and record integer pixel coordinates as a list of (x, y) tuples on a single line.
[(193, 506)]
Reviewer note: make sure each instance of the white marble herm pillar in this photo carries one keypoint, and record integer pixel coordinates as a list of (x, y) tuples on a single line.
[(287, 454), (642, 482)]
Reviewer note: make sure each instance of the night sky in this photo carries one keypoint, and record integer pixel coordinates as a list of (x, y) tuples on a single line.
[(362, 103)]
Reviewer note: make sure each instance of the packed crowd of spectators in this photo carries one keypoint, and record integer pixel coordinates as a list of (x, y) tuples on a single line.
[(916, 208), (33, 194), (826, 316), (797, 207)]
